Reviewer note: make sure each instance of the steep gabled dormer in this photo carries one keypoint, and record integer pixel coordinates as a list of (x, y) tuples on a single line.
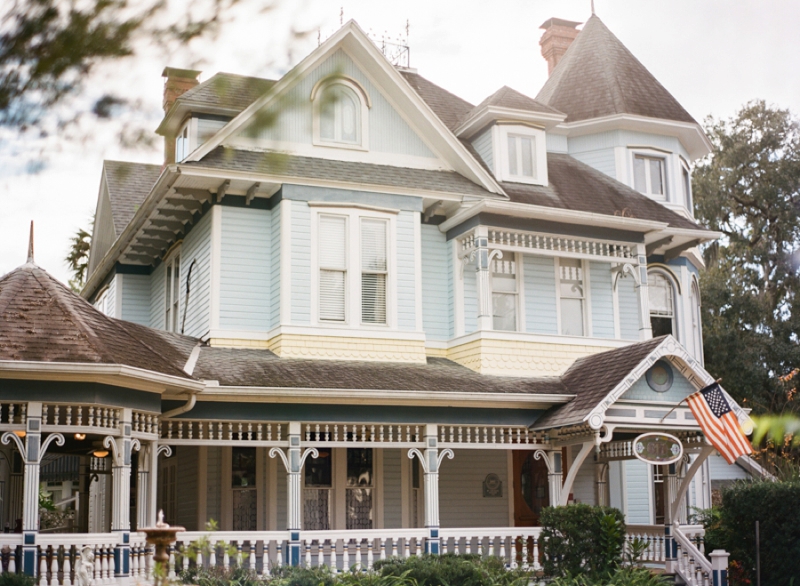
[(508, 131)]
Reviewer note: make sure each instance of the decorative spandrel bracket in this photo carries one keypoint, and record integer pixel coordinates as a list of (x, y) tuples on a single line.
[(110, 443), (425, 468), (621, 270), (8, 437), (542, 455), (166, 450), (313, 452)]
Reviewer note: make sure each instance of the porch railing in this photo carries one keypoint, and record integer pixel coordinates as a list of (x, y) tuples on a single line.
[(690, 563)]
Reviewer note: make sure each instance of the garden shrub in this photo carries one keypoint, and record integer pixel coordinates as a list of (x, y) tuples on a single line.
[(627, 576), (775, 506), (296, 576), (582, 539), (217, 576), (452, 570), (8, 579)]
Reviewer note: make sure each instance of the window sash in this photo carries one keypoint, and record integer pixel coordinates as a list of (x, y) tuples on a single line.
[(374, 270), (572, 293), (504, 295), (649, 175), (332, 268), (340, 115), (522, 156)]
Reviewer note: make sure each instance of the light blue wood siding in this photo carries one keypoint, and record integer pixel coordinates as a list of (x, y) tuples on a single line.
[(540, 295), (157, 297), (275, 267), (604, 160), (437, 316), (245, 269), (213, 489), (628, 308), (637, 491), (601, 297), (388, 131), (583, 489), (557, 143), (681, 388), (461, 502), (186, 487), (406, 278), (470, 299), (483, 145), (136, 299), (392, 494), (301, 263), (111, 297), (197, 249), (719, 469)]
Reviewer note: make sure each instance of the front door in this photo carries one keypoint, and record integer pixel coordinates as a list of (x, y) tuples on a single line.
[(531, 492)]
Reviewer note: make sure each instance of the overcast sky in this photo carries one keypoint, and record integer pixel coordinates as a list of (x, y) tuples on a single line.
[(712, 55)]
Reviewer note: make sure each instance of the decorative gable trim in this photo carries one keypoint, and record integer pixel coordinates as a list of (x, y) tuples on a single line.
[(677, 355), (442, 141)]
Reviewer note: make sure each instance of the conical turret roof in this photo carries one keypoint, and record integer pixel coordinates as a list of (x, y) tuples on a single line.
[(598, 76)]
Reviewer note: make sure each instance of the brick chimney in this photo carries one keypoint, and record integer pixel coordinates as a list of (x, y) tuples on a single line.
[(558, 36), (178, 82)]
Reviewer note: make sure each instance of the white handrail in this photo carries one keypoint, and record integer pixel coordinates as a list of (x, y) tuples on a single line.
[(691, 565)]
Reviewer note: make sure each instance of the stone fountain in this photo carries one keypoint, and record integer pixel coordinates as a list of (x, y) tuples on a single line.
[(161, 536)]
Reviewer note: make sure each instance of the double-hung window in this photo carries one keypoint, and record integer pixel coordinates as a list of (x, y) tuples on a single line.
[(573, 296), (649, 176), (504, 295), (522, 156), (662, 304), (172, 294), (353, 282)]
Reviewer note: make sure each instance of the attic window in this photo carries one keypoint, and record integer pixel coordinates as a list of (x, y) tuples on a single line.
[(649, 176), (341, 112), (182, 142), (522, 157)]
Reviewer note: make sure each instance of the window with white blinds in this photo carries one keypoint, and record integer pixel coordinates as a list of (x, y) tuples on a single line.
[(373, 271), (572, 294), (332, 267)]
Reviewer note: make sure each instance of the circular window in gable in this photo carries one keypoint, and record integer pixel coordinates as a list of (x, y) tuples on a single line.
[(660, 376)]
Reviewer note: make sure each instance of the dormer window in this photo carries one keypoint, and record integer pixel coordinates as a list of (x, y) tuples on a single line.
[(341, 111), (649, 176), (522, 154), (182, 142)]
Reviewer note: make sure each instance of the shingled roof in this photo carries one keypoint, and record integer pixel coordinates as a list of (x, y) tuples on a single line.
[(507, 97), (574, 185), (43, 321), (598, 76), (262, 368), (128, 185), (592, 378), (450, 109), (227, 91), (346, 171)]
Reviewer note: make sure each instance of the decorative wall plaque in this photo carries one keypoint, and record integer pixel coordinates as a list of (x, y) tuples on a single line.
[(657, 448), (492, 486)]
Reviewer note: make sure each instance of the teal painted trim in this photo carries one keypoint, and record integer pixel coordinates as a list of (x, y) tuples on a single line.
[(314, 412), (437, 312), (122, 269), (602, 300), (245, 269), (329, 194), (406, 272), (555, 228), (628, 308), (135, 305), (86, 393), (681, 388), (540, 295), (301, 262)]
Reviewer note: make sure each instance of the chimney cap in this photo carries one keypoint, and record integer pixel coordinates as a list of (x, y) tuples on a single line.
[(180, 73), (550, 22)]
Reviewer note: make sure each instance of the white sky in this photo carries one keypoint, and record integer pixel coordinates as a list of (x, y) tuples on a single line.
[(712, 55)]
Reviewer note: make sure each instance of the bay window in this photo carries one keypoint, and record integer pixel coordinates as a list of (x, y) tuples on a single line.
[(649, 176), (572, 296), (504, 294)]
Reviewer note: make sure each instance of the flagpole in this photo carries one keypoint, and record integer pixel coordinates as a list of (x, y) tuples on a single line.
[(719, 380)]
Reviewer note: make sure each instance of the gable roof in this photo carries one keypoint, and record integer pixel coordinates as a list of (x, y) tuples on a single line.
[(344, 171), (227, 91), (43, 321), (128, 185), (598, 76), (577, 186), (507, 97)]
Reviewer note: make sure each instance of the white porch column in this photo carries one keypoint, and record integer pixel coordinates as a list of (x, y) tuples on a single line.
[(145, 495), (431, 458), (482, 277), (122, 447), (645, 330), (601, 483), (555, 478)]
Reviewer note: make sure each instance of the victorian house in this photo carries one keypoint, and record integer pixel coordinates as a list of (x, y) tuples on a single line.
[(352, 316)]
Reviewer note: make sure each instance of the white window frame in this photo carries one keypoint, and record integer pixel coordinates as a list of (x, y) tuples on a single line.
[(353, 298), (676, 294), (317, 98), (648, 154), (518, 292), (190, 128), (172, 297), (501, 134), (587, 332), (695, 319), (101, 302), (686, 186)]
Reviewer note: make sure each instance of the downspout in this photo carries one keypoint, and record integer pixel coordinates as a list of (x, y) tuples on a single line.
[(192, 398)]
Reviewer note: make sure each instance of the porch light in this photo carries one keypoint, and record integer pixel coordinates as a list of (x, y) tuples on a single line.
[(20, 433), (100, 453), (80, 436)]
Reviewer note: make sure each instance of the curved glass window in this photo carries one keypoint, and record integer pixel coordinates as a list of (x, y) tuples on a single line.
[(340, 115), (662, 304)]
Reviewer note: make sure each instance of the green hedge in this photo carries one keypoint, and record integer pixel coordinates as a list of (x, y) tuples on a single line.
[(776, 505), (582, 540)]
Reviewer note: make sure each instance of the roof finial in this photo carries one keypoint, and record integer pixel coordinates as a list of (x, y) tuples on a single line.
[(341, 15), (592, 7), (30, 245)]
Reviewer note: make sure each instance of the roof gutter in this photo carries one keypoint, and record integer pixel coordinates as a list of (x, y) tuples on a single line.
[(523, 210), (188, 406)]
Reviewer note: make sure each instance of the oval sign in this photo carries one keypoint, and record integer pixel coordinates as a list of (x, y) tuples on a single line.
[(657, 448)]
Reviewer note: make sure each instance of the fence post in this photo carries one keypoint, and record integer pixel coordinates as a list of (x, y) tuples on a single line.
[(719, 567)]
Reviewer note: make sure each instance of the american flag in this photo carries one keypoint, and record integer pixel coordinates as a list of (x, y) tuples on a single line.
[(719, 422)]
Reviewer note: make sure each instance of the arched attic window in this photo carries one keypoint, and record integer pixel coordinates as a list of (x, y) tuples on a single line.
[(341, 111), (662, 304)]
